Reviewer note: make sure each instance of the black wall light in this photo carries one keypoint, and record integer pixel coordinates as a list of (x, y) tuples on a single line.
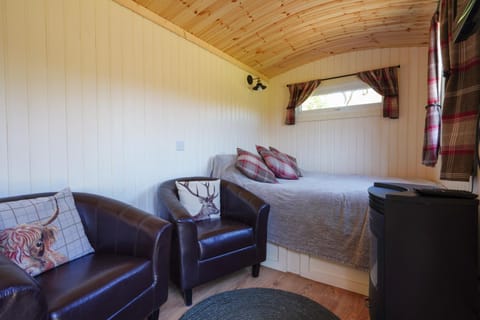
[(259, 86)]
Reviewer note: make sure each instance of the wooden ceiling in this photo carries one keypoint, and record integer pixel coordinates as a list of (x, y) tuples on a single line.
[(273, 36)]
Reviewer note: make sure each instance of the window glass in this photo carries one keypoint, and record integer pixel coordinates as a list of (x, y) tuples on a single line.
[(340, 93)]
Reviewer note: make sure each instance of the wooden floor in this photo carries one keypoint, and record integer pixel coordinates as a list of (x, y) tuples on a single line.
[(345, 304)]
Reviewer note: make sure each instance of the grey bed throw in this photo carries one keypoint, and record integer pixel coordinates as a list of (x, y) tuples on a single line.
[(322, 215)]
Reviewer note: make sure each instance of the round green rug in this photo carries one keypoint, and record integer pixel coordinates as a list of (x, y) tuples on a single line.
[(258, 304)]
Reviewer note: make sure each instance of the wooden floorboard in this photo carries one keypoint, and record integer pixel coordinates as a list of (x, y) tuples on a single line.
[(345, 304)]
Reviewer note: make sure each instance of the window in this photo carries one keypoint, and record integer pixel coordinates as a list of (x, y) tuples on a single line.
[(345, 97)]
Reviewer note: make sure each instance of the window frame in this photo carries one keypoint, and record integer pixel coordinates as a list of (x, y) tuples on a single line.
[(345, 112)]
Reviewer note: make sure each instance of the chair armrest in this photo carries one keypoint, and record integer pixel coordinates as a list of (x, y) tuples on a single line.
[(115, 227), (20, 295), (172, 210), (242, 205), (170, 207)]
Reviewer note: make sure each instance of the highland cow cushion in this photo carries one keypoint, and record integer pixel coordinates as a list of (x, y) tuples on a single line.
[(42, 233), (253, 167), (279, 166), (200, 198)]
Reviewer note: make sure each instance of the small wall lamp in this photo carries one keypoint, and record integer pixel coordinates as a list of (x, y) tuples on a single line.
[(259, 86)]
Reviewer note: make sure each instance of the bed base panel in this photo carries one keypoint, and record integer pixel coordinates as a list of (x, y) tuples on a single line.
[(337, 275)]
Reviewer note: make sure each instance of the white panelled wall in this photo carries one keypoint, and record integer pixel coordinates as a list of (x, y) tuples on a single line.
[(370, 145), (95, 97)]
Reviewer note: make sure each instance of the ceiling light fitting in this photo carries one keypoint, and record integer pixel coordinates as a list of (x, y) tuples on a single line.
[(259, 86)]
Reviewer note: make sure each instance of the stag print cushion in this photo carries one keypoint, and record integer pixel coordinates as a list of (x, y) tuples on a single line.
[(253, 167), (42, 233), (280, 167), (200, 198)]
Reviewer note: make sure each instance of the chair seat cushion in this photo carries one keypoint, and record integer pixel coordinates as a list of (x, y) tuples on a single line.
[(95, 278), (220, 236)]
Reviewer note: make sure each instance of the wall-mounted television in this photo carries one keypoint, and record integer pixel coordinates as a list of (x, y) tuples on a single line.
[(467, 20)]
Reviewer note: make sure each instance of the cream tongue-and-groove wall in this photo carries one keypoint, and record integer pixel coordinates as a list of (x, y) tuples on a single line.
[(95, 97), (370, 145)]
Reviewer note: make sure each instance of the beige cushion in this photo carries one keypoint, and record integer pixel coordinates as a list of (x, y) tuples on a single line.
[(200, 198)]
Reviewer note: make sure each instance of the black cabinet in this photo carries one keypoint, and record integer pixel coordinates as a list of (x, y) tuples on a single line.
[(423, 255)]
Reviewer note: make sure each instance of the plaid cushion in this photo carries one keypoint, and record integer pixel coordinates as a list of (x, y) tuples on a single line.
[(279, 166), (288, 159), (42, 233), (253, 167)]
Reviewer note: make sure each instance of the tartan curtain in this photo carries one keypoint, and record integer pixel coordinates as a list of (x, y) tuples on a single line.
[(385, 82), (431, 138), (299, 92), (461, 62)]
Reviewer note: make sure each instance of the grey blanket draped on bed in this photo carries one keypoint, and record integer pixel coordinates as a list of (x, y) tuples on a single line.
[(322, 215)]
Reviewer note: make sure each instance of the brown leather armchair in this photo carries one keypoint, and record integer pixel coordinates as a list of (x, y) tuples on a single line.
[(205, 250), (126, 277)]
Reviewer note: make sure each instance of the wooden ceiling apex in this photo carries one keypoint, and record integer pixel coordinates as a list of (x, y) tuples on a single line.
[(273, 36)]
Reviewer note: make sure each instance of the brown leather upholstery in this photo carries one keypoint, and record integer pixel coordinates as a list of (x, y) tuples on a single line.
[(126, 277), (208, 249)]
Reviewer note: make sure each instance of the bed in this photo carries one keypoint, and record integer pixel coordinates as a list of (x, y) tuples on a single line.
[(319, 215)]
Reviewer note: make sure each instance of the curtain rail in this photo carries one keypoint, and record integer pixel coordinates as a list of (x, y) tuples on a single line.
[(345, 75)]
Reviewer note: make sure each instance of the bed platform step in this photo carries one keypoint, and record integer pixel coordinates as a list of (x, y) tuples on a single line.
[(313, 268)]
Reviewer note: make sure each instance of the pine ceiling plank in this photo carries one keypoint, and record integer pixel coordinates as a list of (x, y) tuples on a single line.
[(267, 17), (275, 63), (168, 8), (213, 17), (322, 25), (347, 41), (274, 35), (144, 12)]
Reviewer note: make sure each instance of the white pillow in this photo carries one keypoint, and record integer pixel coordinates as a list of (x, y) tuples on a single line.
[(200, 198), (37, 237)]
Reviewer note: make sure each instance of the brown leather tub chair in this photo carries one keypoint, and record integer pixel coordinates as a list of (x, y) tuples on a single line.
[(205, 250), (126, 277)]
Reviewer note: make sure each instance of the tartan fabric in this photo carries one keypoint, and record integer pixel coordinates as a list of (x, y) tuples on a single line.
[(299, 92), (289, 159), (279, 166), (385, 82), (25, 223), (431, 138), (461, 63), (253, 167)]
